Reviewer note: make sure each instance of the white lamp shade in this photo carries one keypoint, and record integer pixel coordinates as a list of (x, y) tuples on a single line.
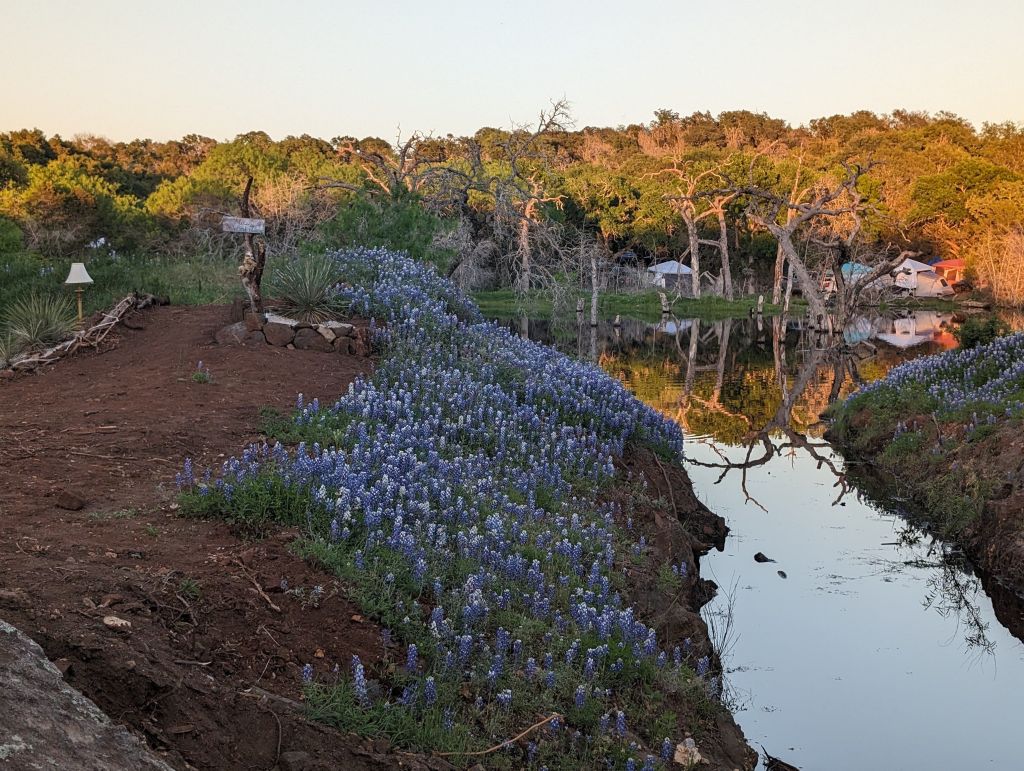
[(78, 274)]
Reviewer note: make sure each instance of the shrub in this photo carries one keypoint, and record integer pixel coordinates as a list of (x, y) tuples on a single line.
[(40, 320), (397, 224), (980, 331), (11, 239), (307, 289)]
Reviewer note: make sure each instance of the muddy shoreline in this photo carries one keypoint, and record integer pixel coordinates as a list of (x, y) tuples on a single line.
[(209, 672)]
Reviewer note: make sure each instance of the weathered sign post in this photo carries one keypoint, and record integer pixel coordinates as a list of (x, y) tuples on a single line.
[(243, 225), (255, 260)]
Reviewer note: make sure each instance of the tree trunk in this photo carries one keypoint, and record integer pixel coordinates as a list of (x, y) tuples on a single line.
[(524, 255), (723, 248), (780, 263), (810, 291), (593, 288), (255, 260), (691, 232)]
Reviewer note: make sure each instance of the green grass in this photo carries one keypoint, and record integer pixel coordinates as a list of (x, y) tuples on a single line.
[(645, 305), (193, 280)]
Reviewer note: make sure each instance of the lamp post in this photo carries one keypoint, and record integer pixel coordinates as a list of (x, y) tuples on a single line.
[(79, 278)]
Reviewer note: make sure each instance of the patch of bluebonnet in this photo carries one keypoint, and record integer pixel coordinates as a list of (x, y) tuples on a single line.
[(987, 379), (464, 473)]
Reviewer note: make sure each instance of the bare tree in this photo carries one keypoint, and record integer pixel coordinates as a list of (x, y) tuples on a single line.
[(831, 216), (696, 204)]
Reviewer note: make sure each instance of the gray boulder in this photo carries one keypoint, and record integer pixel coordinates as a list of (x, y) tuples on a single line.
[(47, 724)]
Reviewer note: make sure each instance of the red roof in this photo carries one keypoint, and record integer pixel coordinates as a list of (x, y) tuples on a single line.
[(957, 263)]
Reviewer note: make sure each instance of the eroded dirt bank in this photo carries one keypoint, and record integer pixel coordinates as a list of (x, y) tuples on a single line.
[(209, 670), (983, 475)]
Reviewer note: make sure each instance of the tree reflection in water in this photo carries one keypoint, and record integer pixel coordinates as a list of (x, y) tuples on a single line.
[(762, 385)]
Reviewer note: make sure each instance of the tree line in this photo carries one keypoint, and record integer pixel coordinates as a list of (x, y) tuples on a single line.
[(541, 204)]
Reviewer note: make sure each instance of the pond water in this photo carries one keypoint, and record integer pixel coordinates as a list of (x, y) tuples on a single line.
[(874, 647)]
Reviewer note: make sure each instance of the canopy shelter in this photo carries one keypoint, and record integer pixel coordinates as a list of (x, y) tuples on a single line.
[(912, 266), (951, 270), (668, 274)]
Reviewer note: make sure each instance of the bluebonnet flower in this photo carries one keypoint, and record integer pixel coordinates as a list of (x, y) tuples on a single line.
[(504, 699), (429, 691), (666, 749), (620, 723), (307, 673), (581, 696), (703, 666), (359, 682)]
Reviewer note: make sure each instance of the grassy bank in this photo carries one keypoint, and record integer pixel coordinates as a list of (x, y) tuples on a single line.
[(944, 432), (645, 305), (193, 280), (539, 604)]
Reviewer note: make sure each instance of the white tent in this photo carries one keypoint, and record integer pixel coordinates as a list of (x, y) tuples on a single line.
[(912, 266), (920, 280), (668, 273)]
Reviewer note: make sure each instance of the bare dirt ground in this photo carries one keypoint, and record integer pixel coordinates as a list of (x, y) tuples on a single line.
[(210, 669)]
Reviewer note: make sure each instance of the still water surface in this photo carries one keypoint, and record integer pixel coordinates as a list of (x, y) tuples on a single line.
[(879, 648)]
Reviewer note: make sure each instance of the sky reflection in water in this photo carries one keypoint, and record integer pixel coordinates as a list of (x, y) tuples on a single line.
[(875, 650)]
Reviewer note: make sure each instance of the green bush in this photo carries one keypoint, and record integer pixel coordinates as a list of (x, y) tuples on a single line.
[(39, 320), (11, 239), (307, 289), (398, 224), (980, 331)]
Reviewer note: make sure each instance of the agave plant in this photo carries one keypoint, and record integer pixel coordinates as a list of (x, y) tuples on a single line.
[(40, 320), (307, 289)]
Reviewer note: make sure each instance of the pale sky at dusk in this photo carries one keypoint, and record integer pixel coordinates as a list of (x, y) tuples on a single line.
[(139, 69)]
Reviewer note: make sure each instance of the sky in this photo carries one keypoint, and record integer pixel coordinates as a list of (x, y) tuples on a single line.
[(135, 68)]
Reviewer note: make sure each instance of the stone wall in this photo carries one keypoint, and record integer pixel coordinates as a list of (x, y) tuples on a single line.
[(271, 329)]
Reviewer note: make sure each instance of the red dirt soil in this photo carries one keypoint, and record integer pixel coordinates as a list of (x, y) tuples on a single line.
[(210, 670)]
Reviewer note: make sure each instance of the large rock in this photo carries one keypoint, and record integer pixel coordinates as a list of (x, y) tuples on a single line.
[(47, 724), (233, 334), (279, 333), (255, 338), (311, 340), (338, 329)]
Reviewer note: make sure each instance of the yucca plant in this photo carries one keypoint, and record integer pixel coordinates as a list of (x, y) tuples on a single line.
[(39, 320), (8, 348), (307, 289)]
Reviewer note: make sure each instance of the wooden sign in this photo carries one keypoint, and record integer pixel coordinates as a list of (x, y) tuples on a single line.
[(242, 225)]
